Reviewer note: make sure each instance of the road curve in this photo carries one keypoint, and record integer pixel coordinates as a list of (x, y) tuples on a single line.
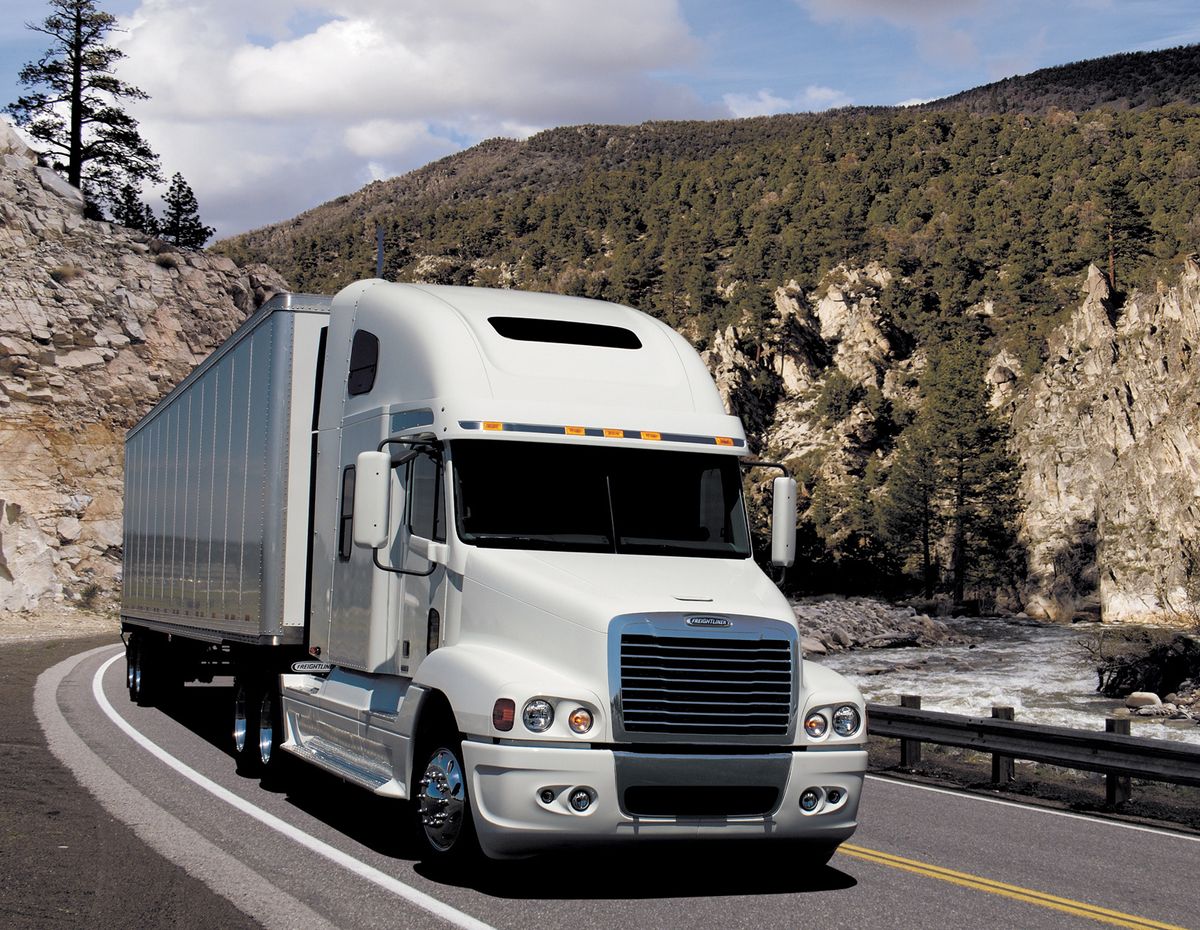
[(320, 853)]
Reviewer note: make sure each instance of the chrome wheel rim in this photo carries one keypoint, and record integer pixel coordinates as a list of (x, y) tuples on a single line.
[(443, 800), (129, 668), (266, 729), (239, 720), (137, 671)]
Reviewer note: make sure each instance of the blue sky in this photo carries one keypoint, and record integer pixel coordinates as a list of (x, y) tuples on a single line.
[(274, 106)]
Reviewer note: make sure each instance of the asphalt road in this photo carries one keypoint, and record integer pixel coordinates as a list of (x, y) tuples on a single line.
[(316, 852)]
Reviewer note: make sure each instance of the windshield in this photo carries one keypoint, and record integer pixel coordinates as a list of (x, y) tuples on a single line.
[(530, 495)]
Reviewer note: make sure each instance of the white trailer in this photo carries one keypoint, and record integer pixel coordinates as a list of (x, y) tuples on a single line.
[(485, 551)]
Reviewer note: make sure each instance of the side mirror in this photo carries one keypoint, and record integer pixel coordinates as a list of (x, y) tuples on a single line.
[(372, 499), (783, 522)]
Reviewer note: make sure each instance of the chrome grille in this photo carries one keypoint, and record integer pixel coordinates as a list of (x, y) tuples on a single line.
[(706, 686)]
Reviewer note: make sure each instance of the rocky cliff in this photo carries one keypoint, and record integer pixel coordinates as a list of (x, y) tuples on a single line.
[(1107, 434), (96, 323)]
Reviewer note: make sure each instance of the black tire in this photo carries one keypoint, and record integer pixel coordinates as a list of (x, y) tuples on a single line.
[(149, 668), (441, 806), (269, 731), (247, 701), (133, 666)]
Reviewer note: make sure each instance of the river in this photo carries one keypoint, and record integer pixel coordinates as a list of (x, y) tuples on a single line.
[(1037, 669)]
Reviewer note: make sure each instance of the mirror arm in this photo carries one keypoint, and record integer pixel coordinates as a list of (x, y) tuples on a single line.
[(748, 463)]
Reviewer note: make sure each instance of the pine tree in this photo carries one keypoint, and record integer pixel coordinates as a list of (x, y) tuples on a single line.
[(181, 216), (129, 210), (75, 104), (1125, 229), (907, 512), (972, 465)]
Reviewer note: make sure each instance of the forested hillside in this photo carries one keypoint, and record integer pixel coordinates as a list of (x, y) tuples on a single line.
[(1133, 80), (964, 207)]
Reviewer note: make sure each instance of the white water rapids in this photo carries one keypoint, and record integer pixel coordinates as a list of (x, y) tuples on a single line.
[(1037, 669)]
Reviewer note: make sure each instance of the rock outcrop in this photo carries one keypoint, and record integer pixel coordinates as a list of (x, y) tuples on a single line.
[(833, 624), (96, 323), (1108, 436)]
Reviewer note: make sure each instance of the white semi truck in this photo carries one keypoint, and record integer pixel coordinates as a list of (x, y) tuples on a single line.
[(487, 552)]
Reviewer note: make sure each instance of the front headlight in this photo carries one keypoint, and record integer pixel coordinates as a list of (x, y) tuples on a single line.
[(815, 725), (537, 715), (846, 720)]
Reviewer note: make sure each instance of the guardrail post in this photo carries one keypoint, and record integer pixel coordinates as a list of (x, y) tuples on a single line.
[(1117, 788), (1002, 766), (910, 749)]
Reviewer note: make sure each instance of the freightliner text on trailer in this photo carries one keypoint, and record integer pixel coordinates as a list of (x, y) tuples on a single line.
[(486, 551)]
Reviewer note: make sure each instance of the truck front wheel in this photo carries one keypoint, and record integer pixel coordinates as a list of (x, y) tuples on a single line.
[(441, 803)]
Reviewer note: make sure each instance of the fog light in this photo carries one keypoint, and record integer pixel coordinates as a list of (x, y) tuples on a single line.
[(547, 795), (816, 725), (834, 796), (504, 712), (581, 799), (580, 720), (846, 720), (538, 715), (809, 800)]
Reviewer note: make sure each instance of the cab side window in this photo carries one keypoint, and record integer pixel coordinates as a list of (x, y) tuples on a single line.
[(364, 360), (426, 506)]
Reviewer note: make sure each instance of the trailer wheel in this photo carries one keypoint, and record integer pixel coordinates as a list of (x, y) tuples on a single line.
[(148, 671), (133, 666), (247, 701), (442, 806), (269, 728)]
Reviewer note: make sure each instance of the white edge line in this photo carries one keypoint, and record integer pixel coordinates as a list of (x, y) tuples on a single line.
[(161, 831), (295, 834), (1036, 809)]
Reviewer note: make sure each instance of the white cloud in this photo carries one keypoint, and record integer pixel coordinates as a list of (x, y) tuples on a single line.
[(269, 107), (810, 100)]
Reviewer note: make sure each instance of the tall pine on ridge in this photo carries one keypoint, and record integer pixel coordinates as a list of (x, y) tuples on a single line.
[(75, 104)]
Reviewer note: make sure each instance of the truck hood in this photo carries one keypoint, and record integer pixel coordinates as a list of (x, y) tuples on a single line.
[(589, 589)]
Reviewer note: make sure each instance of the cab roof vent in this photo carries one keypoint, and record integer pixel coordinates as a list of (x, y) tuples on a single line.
[(568, 332)]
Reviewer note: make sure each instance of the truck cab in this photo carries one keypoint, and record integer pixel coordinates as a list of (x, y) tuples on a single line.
[(533, 608)]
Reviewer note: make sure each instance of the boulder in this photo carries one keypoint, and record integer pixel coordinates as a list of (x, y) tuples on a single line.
[(1139, 699), (11, 143)]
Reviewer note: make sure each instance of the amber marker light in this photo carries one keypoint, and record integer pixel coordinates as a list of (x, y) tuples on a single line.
[(575, 430), (493, 426), (580, 720), (504, 713), (652, 436), (614, 434), (724, 441)]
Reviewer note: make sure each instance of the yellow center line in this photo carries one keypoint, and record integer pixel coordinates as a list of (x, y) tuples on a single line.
[(1016, 892)]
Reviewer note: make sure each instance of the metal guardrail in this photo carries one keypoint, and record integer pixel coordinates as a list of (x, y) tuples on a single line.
[(1114, 753)]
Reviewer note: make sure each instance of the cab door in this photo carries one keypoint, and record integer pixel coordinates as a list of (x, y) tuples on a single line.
[(423, 602)]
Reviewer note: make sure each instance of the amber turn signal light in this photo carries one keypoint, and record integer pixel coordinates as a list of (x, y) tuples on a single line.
[(504, 713)]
